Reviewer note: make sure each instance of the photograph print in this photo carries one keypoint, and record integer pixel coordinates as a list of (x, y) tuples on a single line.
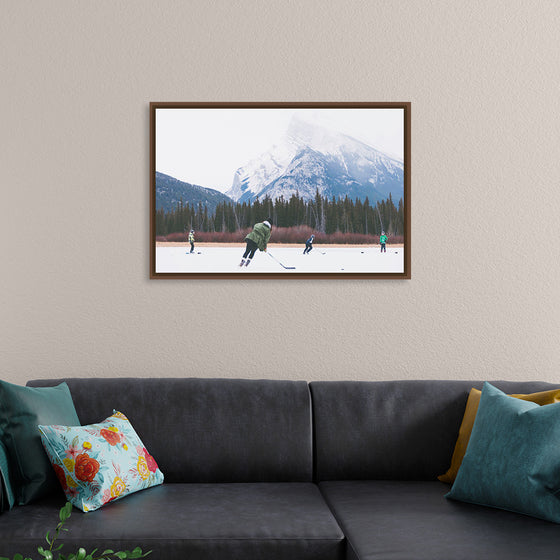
[(280, 190)]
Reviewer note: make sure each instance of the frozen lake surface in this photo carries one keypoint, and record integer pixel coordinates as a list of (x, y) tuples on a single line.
[(220, 259)]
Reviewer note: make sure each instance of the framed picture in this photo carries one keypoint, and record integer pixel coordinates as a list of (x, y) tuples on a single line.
[(270, 190)]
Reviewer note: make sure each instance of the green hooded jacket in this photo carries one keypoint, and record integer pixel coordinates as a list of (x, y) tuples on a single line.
[(260, 235)]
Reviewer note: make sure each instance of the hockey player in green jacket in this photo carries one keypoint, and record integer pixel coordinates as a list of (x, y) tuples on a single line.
[(257, 239)]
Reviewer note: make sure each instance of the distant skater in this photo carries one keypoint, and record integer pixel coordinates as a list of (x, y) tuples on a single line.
[(257, 239), (191, 240), (383, 241), (309, 245)]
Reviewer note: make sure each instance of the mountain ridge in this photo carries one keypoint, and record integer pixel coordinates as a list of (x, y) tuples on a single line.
[(170, 191)]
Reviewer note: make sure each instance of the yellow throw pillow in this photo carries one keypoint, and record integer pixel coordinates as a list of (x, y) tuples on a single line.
[(541, 398)]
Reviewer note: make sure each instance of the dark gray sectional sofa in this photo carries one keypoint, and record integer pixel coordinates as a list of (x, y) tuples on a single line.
[(270, 470)]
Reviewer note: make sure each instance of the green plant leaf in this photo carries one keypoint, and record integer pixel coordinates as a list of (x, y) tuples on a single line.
[(64, 514), (46, 554), (68, 508)]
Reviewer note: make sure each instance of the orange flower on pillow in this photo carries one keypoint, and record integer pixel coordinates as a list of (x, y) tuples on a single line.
[(152, 465), (86, 467), (111, 436), (61, 475)]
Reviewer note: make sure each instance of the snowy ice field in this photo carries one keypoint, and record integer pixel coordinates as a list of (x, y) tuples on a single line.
[(223, 259)]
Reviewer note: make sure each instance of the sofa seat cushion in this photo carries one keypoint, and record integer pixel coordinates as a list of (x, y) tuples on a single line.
[(412, 520), (192, 521)]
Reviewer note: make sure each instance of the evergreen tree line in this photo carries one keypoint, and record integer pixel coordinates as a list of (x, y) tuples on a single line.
[(321, 214)]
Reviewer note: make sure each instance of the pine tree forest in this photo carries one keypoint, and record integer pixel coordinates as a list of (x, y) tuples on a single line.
[(321, 215)]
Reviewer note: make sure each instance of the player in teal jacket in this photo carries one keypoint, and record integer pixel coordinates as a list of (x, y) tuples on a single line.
[(257, 239), (382, 241)]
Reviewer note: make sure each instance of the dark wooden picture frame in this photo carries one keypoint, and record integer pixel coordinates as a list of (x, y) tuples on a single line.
[(334, 181)]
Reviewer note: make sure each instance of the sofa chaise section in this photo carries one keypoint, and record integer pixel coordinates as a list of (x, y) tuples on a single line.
[(411, 520), (379, 449)]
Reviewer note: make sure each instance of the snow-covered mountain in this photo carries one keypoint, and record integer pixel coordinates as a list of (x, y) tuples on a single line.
[(311, 157)]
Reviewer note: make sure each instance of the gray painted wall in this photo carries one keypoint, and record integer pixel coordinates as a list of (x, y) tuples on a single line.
[(483, 80)]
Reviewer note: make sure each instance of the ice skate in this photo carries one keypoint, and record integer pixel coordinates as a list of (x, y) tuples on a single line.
[(248, 261), (242, 262)]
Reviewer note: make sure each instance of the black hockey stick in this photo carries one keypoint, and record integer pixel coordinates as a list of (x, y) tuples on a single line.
[(282, 265)]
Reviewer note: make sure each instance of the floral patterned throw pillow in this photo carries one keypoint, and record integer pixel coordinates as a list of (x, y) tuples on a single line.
[(99, 463)]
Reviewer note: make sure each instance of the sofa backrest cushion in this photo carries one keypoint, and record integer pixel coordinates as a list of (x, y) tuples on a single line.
[(400, 430), (208, 430)]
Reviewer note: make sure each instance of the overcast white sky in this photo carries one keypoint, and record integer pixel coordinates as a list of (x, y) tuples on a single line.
[(205, 146)]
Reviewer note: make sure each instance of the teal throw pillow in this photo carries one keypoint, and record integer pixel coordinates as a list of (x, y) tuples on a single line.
[(100, 463), (6, 489), (513, 457), (21, 410)]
